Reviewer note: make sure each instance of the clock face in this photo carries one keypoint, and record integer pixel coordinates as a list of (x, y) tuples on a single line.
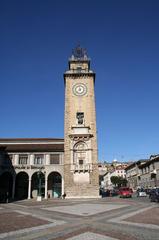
[(79, 89)]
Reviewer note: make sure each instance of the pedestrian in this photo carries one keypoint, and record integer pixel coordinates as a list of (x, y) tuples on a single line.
[(64, 195)]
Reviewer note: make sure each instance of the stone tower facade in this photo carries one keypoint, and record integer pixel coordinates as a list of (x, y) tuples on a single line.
[(81, 178)]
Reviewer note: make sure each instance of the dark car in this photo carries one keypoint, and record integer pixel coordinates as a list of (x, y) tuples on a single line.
[(148, 191), (154, 195), (113, 192), (106, 193)]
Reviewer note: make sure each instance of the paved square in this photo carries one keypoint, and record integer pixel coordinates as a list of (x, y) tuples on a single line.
[(14, 221), (91, 236), (111, 219), (86, 209), (150, 216)]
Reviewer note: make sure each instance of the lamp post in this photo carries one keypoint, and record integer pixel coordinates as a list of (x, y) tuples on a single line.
[(39, 197)]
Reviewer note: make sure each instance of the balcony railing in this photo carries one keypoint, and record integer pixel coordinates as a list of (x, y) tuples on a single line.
[(81, 167)]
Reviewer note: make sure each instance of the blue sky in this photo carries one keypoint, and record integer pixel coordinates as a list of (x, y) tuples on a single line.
[(122, 40)]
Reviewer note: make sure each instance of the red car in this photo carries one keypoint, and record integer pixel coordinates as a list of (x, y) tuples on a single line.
[(125, 192)]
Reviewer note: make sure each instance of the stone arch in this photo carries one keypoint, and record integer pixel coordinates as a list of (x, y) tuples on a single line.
[(21, 185), (80, 153), (6, 185), (37, 184), (80, 145), (54, 185)]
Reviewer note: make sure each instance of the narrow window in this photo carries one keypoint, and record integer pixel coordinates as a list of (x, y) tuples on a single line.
[(54, 159), (81, 162), (38, 160), (23, 159)]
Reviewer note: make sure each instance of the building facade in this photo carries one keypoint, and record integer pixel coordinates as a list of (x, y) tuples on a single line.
[(144, 173), (26, 163), (30, 168), (149, 173), (133, 173), (118, 171)]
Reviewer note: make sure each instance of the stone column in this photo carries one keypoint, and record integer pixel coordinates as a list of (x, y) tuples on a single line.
[(47, 159), (32, 159), (13, 186), (61, 158), (46, 181), (29, 188), (16, 159)]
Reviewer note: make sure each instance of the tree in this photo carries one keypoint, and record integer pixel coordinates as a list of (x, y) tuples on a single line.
[(115, 180), (118, 181)]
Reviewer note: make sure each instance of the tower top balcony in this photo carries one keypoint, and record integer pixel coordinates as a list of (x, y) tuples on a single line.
[(79, 64), (79, 54)]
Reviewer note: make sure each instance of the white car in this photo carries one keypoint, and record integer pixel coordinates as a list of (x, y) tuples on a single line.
[(141, 194)]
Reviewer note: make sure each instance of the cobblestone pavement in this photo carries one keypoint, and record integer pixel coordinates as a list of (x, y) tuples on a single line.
[(88, 219)]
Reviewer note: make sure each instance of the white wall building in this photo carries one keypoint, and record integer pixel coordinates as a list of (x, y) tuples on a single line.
[(117, 171)]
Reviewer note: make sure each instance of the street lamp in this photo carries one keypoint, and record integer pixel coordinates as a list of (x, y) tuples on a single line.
[(39, 197)]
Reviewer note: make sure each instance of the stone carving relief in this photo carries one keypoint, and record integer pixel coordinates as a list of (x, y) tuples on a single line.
[(80, 154)]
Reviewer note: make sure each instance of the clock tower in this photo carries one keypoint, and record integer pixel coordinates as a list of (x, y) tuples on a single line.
[(81, 178)]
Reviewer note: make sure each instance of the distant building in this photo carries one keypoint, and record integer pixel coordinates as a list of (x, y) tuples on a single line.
[(133, 173), (149, 173), (144, 173), (113, 169), (103, 168)]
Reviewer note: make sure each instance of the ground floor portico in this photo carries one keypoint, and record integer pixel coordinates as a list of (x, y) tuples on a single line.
[(27, 184), (31, 168)]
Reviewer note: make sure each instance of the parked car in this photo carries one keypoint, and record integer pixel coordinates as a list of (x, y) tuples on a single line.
[(125, 192), (141, 193), (104, 193), (154, 195), (113, 192), (148, 190)]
